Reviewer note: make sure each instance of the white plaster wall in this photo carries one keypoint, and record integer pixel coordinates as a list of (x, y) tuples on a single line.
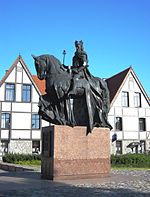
[(119, 135), (148, 123), (118, 111), (111, 112), (20, 146), (142, 135), (2, 92), (21, 120), (35, 108), (113, 148), (11, 77), (35, 95), (136, 88), (26, 78), (21, 107), (144, 102), (45, 123), (19, 73), (131, 135), (142, 112), (20, 134), (6, 106), (130, 124), (36, 134), (18, 92), (117, 101), (111, 121), (4, 134), (130, 111), (148, 112)]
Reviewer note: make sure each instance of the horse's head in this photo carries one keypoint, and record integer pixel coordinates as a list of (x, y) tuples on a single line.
[(40, 65)]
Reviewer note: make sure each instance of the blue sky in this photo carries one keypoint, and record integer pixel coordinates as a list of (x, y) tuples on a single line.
[(116, 33)]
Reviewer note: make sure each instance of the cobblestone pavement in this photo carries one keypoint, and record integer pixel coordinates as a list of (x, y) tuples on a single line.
[(121, 183)]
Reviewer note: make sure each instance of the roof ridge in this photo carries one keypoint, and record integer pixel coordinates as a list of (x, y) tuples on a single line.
[(8, 71), (115, 82), (124, 71)]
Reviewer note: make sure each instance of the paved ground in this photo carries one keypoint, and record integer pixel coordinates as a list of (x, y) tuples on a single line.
[(120, 183)]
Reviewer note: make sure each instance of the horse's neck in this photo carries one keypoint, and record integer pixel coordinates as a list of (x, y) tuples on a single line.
[(53, 66)]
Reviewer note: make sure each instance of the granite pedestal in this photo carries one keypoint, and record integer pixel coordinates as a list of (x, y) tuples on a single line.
[(68, 153)]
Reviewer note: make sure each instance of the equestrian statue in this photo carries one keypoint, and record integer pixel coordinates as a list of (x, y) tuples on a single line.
[(73, 96)]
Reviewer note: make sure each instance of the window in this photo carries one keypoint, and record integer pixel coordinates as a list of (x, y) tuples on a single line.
[(125, 99), (118, 147), (137, 99), (5, 121), (142, 124), (4, 145), (35, 121), (10, 92), (26, 93), (36, 146), (118, 123)]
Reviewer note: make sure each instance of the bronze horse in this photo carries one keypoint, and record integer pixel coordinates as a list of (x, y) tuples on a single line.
[(88, 105)]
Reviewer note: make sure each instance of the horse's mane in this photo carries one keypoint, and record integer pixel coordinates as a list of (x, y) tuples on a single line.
[(53, 61)]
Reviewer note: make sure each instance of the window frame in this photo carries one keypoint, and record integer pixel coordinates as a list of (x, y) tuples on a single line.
[(125, 99), (142, 124), (26, 93), (137, 99), (118, 123), (10, 92), (4, 120), (34, 121)]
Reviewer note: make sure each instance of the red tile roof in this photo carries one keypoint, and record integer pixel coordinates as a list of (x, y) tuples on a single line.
[(40, 84)]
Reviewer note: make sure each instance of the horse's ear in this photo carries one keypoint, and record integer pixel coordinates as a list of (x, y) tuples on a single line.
[(34, 57)]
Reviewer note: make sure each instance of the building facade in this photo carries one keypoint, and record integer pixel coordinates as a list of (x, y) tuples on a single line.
[(20, 125), (129, 114)]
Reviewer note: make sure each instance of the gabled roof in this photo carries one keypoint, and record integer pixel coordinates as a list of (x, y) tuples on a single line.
[(116, 82), (20, 59)]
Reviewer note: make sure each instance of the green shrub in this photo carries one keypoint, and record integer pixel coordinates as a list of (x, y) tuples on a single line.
[(131, 160), (20, 158)]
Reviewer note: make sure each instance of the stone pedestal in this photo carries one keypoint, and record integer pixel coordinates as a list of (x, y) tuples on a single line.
[(68, 153)]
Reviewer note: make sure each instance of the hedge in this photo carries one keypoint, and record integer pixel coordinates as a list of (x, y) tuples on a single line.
[(16, 158), (131, 160)]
